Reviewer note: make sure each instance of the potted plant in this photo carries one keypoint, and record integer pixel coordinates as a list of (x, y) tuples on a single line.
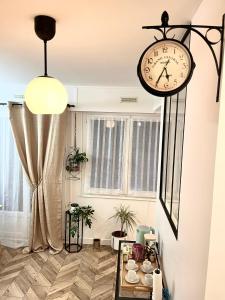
[(78, 212), (74, 159), (127, 219)]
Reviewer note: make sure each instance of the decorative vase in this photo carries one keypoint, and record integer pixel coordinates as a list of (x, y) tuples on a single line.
[(138, 251), (140, 232)]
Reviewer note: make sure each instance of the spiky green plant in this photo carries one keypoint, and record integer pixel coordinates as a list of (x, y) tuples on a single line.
[(125, 216)]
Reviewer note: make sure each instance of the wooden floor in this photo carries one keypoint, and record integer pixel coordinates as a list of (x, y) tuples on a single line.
[(87, 275)]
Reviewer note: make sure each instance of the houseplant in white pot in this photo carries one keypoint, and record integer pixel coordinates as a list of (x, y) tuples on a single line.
[(127, 219)]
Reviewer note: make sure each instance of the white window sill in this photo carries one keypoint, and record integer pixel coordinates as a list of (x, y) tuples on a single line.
[(119, 197)]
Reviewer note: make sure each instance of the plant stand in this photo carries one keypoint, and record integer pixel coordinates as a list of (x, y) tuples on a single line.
[(77, 245)]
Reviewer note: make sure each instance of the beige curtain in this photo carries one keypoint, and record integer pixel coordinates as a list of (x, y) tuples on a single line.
[(40, 141)]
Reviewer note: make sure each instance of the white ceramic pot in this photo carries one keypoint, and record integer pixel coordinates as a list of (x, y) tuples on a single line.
[(116, 237)]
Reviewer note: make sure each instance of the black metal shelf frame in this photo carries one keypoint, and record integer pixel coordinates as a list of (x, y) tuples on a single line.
[(165, 28), (78, 244)]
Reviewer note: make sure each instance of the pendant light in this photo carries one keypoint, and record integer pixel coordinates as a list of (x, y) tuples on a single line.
[(45, 94)]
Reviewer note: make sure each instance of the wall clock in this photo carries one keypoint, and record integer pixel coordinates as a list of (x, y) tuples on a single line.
[(165, 67)]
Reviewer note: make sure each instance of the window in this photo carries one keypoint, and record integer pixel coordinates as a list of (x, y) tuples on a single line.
[(123, 155), (14, 190)]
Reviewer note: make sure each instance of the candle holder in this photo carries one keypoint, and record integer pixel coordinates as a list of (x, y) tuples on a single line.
[(97, 244)]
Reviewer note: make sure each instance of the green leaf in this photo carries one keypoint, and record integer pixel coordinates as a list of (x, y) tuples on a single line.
[(85, 212)]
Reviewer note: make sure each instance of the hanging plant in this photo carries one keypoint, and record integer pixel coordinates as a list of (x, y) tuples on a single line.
[(74, 160)]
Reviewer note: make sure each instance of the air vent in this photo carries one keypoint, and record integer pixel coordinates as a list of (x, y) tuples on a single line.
[(130, 99), (19, 96)]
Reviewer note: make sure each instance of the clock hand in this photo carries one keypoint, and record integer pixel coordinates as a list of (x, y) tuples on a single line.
[(161, 73), (167, 75), (167, 63)]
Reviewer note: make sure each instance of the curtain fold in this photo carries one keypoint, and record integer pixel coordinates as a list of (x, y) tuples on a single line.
[(40, 141)]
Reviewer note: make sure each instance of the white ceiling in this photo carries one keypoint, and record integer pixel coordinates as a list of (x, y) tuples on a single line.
[(97, 42)]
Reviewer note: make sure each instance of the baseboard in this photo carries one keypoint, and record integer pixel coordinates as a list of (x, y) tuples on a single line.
[(89, 241)]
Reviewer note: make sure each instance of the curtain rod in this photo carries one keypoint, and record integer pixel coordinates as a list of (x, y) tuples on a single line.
[(4, 103)]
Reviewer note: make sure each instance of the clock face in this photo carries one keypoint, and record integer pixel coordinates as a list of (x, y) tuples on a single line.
[(165, 67)]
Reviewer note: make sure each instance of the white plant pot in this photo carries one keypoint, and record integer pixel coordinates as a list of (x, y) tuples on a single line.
[(115, 240)]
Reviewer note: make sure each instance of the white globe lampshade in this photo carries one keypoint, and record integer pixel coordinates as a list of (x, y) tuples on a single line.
[(46, 95)]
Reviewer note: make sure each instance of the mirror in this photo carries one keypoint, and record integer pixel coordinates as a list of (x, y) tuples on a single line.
[(172, 151)]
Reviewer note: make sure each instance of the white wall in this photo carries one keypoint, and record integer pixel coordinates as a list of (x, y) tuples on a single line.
[(185, 260), (107, 99), (216, 261)]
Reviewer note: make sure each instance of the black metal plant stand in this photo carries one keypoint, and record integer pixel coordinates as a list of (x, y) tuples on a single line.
[(77, 244)]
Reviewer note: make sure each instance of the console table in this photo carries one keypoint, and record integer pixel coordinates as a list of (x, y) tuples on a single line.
[(126, 291)]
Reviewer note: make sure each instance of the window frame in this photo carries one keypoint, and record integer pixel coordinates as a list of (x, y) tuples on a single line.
[(86, 136)]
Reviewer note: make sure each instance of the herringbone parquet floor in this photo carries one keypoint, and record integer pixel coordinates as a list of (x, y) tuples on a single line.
[(87, 275)]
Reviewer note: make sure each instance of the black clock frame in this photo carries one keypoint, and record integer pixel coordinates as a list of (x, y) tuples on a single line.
[(165, 93), (165, 28)]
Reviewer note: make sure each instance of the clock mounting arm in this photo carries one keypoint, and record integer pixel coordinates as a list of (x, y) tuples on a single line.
[(202, 31)]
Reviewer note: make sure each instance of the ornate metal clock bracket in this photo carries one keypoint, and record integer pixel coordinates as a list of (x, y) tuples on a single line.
[(165, 28)]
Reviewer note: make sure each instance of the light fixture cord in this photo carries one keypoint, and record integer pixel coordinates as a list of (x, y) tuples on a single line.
[(45, 58)]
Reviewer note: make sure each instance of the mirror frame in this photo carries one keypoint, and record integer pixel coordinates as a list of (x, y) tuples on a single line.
[(164, 155)]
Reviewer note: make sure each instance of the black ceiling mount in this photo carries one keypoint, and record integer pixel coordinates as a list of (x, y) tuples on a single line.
[(44, 27), (165, 28)]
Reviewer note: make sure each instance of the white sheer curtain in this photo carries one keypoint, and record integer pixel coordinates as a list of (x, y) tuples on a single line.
[(15, 196), (144, 156), (107, 154), (123, 155)]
